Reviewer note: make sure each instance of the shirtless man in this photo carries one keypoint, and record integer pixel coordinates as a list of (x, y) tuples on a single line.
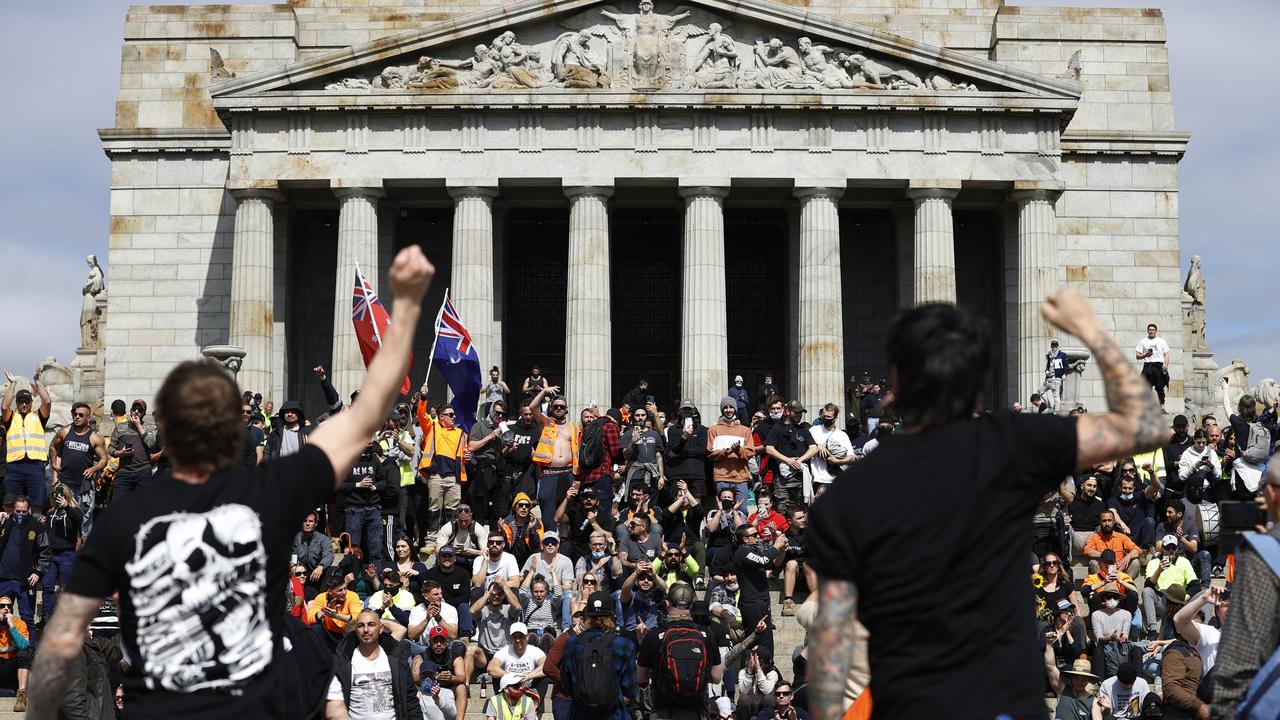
[(556, 451)]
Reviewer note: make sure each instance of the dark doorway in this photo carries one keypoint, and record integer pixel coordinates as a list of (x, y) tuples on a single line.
[(868, 282), (313, 252), (537, 277), (756, 283), (431, 228), (645, 261), (980, 285)]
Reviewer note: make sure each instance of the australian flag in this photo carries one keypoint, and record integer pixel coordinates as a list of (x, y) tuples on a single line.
[(456, 358), (370, 319)]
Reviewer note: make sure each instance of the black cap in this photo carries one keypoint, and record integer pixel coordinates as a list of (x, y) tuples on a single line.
[(23, 395), (1107, 556), (1180, 421), (599, 604)]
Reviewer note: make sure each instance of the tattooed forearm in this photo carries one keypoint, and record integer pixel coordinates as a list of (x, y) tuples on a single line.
[(831, 648), (1135, 423), (62, 642)]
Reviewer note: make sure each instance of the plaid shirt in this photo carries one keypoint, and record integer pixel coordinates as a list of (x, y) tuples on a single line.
[(611, 453), (624, 663), (1251, 632)]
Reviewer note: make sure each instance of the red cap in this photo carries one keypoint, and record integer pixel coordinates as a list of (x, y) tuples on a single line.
[(438, 631)]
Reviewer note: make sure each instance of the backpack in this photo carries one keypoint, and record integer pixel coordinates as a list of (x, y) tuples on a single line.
[(591, 449), (597, 688), (684, 669), (1262, 699), (1259, 448)]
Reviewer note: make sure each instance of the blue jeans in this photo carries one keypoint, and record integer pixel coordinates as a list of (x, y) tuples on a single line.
[(26, 477), (561, 708), (566, 608), (129, 482), (26, 598), (59, 569), (365, 526)]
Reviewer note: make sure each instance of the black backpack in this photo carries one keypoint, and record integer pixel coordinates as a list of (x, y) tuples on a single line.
[(596, 686), (685, 670), (591, 449)]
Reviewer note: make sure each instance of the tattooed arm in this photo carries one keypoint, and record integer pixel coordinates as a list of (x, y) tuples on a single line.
[(63, 640), (831, 648), (1135, 423)]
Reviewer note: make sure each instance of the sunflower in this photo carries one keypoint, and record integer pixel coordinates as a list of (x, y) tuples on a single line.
[(1037, 581)]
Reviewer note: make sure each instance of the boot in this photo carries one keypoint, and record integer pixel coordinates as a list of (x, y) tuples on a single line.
[(21, 704)]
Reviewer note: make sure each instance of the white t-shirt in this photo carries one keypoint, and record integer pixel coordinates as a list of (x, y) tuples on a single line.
[(1125, 702), (448, 613), (504, 568), (522, 665), (371, 695), (1159, 349), (824, 438), (871, 444), (1210, 636)]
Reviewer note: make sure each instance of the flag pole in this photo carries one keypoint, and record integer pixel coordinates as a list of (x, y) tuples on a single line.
[(432, 357)]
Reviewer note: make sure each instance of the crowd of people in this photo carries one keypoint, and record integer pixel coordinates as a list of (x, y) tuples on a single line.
[(584, 562)]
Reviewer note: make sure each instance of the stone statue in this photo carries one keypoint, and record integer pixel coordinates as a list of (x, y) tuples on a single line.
[(882, 76), (942, 83), (780, 66), (574, 65), (1196, 312), (828, 74), (90, 315), (647, 33), (516, 60), (434, 75), (715, 66)]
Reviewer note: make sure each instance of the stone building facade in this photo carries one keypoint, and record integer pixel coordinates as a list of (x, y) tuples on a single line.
[(683, 193)]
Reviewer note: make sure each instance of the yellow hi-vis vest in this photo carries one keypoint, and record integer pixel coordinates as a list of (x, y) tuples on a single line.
[(25, 438), (545, 450)]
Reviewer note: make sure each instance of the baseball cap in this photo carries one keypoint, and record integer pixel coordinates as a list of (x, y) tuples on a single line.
[(1168, 540), (518, 628), (1180, 421), (796, 406), (446, 550), (24, 395), (588, 492), (551, 536), (510, 680), (687, 403), (1107, 556), (1064, 604), (599, 604), (437, 632)]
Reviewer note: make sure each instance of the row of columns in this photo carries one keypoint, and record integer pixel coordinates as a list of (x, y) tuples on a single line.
[(704, 359)]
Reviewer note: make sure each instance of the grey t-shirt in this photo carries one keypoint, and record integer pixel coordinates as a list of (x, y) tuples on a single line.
[(492, 626), (560, 570), (1116, 623), (288, 442), (645, 447), (636, 550)]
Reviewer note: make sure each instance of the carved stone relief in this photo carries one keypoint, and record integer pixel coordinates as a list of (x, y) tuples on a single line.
[(646, 51)]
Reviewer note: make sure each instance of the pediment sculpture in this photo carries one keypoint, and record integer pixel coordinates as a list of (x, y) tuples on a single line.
[(647, 51)]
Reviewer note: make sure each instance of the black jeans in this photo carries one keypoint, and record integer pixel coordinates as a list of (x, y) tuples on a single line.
[(1157, 376)]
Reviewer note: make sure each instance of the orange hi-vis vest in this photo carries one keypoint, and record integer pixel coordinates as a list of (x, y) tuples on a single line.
[(25, 438), (452, 442), (545, 450)]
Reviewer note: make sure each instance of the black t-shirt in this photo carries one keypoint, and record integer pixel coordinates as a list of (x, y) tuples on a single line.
[(77, 456), (522, 437), (982, 479), (201, 571), (455, 584), (650, 656), (253, 439), (751, 562), (1085, 512), (790, 440)]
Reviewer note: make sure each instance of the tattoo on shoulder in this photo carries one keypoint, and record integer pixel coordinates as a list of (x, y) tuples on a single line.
[(832, 642)]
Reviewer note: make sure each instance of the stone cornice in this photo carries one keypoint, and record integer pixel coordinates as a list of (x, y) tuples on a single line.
[(164, 140), (1170, 143), (564, 99)]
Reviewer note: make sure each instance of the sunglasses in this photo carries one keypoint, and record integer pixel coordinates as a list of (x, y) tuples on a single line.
[(782, 693), (497, 542), (559, 407), (82, 414), (6, 605), (751, 535), (448, 414), (1050, 563), (464, 509), (523, 504), (588, 582), (299, 573)]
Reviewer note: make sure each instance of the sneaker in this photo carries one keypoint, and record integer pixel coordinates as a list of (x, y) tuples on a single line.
[(1217, 572), (788, 608), (21, 704), (699, 583)]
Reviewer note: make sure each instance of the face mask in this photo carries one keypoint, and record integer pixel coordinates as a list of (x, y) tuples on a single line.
[(1126, 496), (597, 555), (828, 422), (1112, 604), (20, 517), (728, 418), (775, 416), (731, 587)]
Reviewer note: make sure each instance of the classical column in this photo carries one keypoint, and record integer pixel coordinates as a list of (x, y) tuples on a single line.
[(704, 356), (588, 355), (253, 286), (471, 284), (820, 339), (1037, 277), (935, 241), (357, 243)]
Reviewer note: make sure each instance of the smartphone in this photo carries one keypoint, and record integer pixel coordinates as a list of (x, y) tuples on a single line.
[(688, 423), (648, 399)]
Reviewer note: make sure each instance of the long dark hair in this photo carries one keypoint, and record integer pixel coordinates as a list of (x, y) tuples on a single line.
[(941, 355)]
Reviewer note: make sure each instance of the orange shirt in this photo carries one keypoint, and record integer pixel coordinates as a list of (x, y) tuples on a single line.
[(351, 606), (1119, 542), (14, 637), (1097, 580)]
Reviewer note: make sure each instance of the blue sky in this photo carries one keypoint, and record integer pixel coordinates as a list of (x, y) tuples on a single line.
[(64, 57)]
